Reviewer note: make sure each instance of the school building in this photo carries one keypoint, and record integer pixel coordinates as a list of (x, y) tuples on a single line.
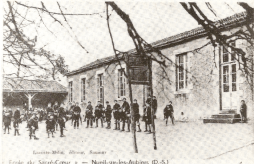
[(210, 82)]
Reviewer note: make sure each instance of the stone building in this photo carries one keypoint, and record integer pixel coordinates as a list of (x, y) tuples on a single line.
[(209, 82)]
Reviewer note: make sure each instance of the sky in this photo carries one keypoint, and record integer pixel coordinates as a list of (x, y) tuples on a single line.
[(153, 21)]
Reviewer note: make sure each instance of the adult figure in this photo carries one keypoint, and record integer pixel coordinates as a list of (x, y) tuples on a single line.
[(243, 111)]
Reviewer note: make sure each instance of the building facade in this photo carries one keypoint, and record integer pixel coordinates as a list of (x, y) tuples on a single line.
[(199, 79)]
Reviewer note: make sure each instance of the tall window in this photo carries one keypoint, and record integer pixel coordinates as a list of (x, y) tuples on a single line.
[(100, 88), (181, 71), (83, 89), (228, 53), (121, 83), (229, 69), (233, 72), (70, 91)]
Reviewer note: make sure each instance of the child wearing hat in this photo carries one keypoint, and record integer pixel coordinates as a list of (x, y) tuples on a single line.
[(108, 112), (98, 116), (89, 115), (116, 108)]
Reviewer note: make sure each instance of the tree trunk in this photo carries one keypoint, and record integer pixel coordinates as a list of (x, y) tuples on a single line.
[(133, 123), (151, 90)]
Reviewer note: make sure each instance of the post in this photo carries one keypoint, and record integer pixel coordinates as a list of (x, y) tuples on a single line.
[(30, 97), (220, 79), (151, 90), (133, 123)]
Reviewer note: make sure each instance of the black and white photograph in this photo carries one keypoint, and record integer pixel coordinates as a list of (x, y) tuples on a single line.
[(127, 82)]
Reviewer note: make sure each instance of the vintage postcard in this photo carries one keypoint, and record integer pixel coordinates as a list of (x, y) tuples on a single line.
[(127, 82)]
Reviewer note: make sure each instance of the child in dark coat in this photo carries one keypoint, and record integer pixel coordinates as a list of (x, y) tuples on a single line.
[(98, 116), (33, 125), (50, 125), (7, 121), (108, 112), (16, 127)]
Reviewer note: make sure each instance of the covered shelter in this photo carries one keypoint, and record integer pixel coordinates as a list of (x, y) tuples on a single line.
[(24, 93)]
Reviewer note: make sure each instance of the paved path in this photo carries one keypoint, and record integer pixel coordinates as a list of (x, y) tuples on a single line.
[(185, 141)]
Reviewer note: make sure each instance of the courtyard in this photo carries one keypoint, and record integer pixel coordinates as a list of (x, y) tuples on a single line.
[(185, 141)]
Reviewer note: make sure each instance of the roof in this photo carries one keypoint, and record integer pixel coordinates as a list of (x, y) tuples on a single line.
[(25, 85), (229, 22)]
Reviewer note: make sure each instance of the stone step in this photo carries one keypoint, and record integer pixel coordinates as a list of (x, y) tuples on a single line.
[(221, 120), (226, 116), (228, 112)]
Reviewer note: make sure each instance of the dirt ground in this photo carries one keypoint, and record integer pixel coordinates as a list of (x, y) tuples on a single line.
[(183, 141)]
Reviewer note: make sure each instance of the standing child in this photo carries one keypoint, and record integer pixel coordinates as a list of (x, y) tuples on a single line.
[(89, 115), (136, 114), (33, 126), (147, 117), (50, 126), (98, 116), (126, 115), (7, 121), (16, 127), (108, 112), (169, 112), (116, 108)]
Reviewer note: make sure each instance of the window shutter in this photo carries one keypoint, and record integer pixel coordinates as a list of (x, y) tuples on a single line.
[(176, 72), (102, 95), (98, 88), (118, 83), (102, 80), (189, 55)]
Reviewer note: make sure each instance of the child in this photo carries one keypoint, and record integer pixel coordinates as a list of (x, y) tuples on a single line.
[(98, 115), (116, 108), (33, 125), (16, 127), (136, 114), (183, 118), (169, 112), (61, 122), (89, 117), (7, 121), (147, 117), (108, 112), (50, 126)]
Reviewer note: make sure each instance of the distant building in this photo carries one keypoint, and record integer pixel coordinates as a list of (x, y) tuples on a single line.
[(210, 81), (35, 93)]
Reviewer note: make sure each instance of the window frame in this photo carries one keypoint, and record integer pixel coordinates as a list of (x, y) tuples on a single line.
[(70, 91), (83, 89), (100, 88), (121, 83), (182, 76)]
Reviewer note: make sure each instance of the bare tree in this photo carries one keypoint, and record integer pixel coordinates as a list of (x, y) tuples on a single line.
[(214, 33), (21, 53)]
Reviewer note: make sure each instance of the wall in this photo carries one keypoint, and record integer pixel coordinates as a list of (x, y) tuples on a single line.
[(200, 99)]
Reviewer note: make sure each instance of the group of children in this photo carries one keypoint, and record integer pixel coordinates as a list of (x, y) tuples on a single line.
[(57, 116), (7, 118), (121, 115)]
